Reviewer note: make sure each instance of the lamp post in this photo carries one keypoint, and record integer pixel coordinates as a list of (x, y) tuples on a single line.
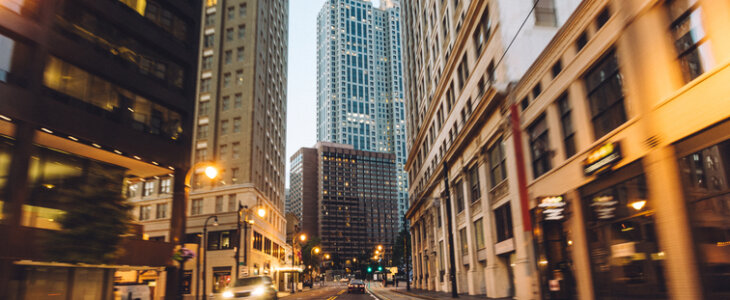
[(178, 222), (244, 209), (205, 247)]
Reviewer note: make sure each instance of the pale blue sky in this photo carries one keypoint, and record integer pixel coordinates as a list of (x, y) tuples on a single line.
[(302, 82)]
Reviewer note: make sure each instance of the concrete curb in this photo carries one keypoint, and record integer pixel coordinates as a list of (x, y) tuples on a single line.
[(375, 295), (415, 295)]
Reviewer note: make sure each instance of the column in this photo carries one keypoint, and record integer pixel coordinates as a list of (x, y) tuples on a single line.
[(580, 255), (470, 237)]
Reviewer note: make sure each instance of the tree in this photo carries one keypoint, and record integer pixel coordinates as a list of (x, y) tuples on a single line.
[(97, 215), (400, 246)]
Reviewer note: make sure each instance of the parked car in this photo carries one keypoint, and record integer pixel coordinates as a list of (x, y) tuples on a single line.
[(356, 286), (254, 287)]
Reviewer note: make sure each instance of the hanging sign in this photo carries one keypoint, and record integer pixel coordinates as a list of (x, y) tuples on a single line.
[(602, 159), (553, 207)]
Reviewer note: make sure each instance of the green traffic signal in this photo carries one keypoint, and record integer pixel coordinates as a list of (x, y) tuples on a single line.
[(370, 269), (380, 268)]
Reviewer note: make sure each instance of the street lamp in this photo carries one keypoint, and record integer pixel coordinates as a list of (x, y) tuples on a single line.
[(261, 212), (303, 237), (205, 247)]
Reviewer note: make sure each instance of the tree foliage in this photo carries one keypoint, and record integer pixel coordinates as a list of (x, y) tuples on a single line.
[(97, 215)]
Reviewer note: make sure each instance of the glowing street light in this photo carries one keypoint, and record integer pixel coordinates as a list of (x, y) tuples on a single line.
[(327, 256), (211, 172), (302, 237), (261, 212), (316, 250), (380, 247)]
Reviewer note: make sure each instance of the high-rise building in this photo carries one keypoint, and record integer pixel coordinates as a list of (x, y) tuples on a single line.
[(459, 59), (351, 208), (359, 80), (239, 126), (303, 187), (91, 93)]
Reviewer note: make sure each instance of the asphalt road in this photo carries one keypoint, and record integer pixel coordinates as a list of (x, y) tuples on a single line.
[(336, 292)]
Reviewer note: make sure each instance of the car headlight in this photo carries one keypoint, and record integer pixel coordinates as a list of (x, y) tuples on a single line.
[(258, 291), (227, 294)]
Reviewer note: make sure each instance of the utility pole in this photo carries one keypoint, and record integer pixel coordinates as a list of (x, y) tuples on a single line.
[(237, 255), (452, 261)]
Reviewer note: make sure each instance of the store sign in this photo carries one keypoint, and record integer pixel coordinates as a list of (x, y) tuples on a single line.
[(604, 206), (602, 158), (553, 207), (623, 249)]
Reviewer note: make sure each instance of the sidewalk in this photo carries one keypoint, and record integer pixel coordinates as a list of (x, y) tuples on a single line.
[(393, 293)]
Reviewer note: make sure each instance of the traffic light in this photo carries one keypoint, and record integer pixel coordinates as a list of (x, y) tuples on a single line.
[(370, 269), (380, 268)]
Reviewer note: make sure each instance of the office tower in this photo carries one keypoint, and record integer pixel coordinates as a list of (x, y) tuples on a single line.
[(459, 59), (303, 187), (239, 127), (359, 80), (91, 93), (351, 211)]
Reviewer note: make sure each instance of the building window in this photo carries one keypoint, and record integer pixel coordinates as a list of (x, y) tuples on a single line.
[(196, 207), (689, 38), (606, 96), (557, 68), (536, 90), (474, 182), (567, 124), (241, 32), (479, 234), (237, 124), (581, 41), (258, 241), (221, 240), (207, 63), (218, 204), (463, 71), (144, 212), (459, 196), (464, 241), (237, 100), (239, 54), (203, 108), (497, 164), (539, 147), (209, 3), (149, 188), (225, 103), (229, 34), (602, 18), (224, 127), (481, 34), (132, 191), (227, 56), (239, 77), (235, 150), (210, 19), (242, 10), (226, 80), (503, 218), (166, 186), (222, 152), (232, 204), (201, 154), (545, 13), (234, 175), (161, 210), (205, 85), (230, 13), (202, 131), (208, 40)]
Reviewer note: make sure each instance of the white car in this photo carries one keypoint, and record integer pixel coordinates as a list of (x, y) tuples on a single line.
[(254, 287)]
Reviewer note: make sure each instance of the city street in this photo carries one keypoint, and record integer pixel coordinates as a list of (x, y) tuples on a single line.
[(339, 291)]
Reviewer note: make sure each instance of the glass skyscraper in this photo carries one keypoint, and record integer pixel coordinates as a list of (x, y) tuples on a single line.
[(360, 80)]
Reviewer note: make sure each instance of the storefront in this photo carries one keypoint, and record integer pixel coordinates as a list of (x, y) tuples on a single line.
[(554, 263), (626, 262), (704, 165)]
